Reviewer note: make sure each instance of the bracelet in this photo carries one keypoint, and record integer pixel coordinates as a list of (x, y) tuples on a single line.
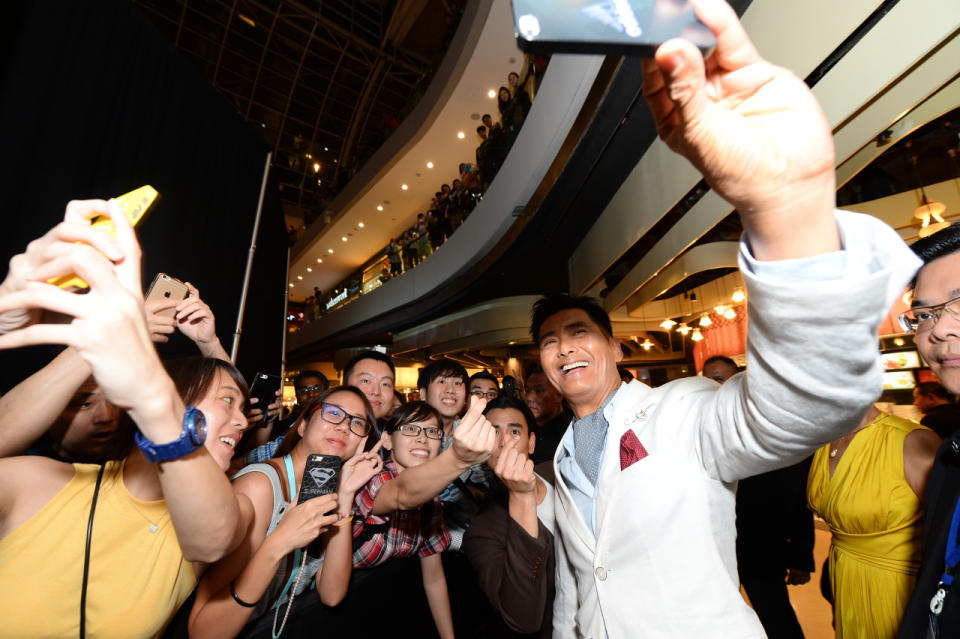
[(236, 597), (343, 520)]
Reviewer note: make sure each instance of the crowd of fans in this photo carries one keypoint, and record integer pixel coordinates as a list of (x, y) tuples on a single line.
[(139, 498)]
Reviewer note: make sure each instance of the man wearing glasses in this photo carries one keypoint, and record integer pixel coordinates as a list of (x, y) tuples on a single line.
[(934, 318), (309, 386), (484, 385)]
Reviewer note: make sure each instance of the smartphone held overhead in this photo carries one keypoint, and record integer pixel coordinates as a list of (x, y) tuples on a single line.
[(166, 288), (265, 388), (607, 27), (134, 205)]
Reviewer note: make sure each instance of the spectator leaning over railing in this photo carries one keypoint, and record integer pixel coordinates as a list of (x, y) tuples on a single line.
[(166, 505)]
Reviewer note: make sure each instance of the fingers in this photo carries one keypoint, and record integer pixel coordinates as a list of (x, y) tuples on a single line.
[(684, 80), (156, 305), (39, 334), (376, 448), (734, 48), (129, 271), (45, 296)]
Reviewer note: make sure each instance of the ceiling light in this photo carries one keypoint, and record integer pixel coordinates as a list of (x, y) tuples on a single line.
[(404, 187), (330, 251), (344, 238), (646, 344), (929, 209), (316, 167), (667, 324), (309, 270), (729, 313), (360, 224), (705, 320), (246, 20), (429, 165), (291, 284), (683, 329), (898, 341), (379, 207), (299, 277), (738, 295), (460, 135), (319, 260), (719, 310), (325, 149), (697, 335), (491, 94)]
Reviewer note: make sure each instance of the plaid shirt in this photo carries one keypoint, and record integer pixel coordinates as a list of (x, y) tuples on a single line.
[(403, 533)]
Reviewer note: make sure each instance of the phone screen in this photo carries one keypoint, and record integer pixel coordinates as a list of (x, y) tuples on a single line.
[(616, 27), (320, 476)]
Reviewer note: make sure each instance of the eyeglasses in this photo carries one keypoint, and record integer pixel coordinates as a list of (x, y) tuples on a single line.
[(333, 414), (490, 394), (412, 430), (923, 318), (306, 390)]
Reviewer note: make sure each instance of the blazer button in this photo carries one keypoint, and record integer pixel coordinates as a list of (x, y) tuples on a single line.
[(601, 573)]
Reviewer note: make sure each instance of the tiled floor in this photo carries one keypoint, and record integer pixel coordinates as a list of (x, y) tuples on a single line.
[(812, 609)]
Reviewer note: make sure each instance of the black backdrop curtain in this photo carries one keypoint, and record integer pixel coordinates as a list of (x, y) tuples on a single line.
[(96, 102)]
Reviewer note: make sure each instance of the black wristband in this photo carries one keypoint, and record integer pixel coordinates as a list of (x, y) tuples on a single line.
[(233, 591)]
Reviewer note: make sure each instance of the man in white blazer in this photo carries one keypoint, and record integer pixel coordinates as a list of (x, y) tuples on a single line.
[(646, 477)]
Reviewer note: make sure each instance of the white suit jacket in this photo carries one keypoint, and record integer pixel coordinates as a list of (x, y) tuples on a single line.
[(662, 563)]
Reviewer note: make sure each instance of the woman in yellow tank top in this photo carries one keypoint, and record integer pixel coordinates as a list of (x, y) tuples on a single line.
[(868, 487), (152, 519)]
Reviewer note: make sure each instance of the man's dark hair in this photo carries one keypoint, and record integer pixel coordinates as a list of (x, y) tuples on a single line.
[(485, 375), (722, 358), (481, 129), (362, 355), (441, 368), (549, 305), (411, 412), (486, 115), (512, 402), (534, 369), (292, 438), (514, 73), (938, 245), (934, 388), (323, 379)]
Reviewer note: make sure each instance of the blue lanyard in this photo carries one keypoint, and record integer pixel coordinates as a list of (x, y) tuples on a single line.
[(292, 482), (952, 553)]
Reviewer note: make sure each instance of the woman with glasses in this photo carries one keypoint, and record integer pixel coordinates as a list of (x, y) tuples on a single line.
[(381, 532), (256, 584)]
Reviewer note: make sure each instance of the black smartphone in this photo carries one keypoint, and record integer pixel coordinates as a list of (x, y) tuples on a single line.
[(320, 476), (265, 388), (607, 27)]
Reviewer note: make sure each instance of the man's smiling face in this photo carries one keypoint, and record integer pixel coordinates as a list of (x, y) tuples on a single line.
[(579, 359), (939, 282)]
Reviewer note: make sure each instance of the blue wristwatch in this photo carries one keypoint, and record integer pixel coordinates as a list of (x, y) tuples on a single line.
[(194, 433)]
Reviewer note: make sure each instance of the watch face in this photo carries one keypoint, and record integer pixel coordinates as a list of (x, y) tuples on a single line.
[(199, 426)]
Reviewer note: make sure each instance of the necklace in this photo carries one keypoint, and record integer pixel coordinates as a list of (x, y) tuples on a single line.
[(849, 437), (154, 525)]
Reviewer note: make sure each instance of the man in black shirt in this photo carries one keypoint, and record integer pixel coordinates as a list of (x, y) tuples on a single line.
[(940, 414)]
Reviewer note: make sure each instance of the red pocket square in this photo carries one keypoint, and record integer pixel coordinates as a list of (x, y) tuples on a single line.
[(631, 450)]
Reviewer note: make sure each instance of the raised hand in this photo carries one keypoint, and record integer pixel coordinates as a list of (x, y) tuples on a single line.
[(255, 412), (194, 317), (55, 254), (515, 469), (359, 469), (108, 328), (475, 436), (160, 326), (302, 523), (753, 129)]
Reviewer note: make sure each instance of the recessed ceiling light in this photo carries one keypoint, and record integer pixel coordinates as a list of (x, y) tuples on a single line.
[(319, 260), (299, 277), (404, 187), (291, 284), (379, 207), (360, 224), (309, 270), (344, 238), (491, 94), (330, 251), (429, 165), (460, 134), (316, 167), (325, 149)]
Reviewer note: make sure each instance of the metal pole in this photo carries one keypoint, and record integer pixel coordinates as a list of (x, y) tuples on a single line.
[(250, 252), (286, 307)]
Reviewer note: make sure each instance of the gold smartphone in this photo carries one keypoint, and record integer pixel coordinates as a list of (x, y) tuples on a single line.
[(165, 287), (134, 205)]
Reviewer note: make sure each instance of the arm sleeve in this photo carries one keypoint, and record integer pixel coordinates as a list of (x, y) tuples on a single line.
[(812, 361), (512, 567)]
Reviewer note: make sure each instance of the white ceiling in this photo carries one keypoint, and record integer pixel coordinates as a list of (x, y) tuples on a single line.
[(495, 55)]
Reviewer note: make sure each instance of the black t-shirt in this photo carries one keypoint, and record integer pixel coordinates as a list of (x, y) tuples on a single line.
[(944, 419)]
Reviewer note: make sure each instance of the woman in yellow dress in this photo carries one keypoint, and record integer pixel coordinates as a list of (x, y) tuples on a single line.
[(868, 486)]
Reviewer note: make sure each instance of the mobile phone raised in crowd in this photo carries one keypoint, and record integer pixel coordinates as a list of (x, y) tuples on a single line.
[(321, 476), (165, 287), (265, 388), (607, 27), (134, 206)]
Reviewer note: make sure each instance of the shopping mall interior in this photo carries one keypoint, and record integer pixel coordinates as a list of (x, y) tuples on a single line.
[(324, 184)]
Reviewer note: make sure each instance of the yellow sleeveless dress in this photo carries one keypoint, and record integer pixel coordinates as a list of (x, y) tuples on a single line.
[(876, 521)]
